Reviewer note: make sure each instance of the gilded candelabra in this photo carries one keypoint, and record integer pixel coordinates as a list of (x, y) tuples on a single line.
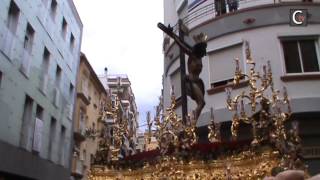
[(214, 129), (109, 147), (268, 123), (170, 131)]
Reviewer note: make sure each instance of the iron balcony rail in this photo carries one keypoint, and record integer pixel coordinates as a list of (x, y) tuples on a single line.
[(211, 10), (199, 13), (203, 13)]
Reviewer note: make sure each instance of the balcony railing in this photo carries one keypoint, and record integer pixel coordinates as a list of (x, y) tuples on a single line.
[(79, 130), (311, 152), (213, 10), (109, 120), (83, 92)]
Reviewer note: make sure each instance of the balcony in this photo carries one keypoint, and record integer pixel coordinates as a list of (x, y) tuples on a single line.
[(109, 120), (83, 92), (125, 103), (311, 152), (77, 167), (207, 11), (79, 131)]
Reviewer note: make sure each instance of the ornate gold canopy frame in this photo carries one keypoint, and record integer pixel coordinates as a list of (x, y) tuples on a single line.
[(272, 149)]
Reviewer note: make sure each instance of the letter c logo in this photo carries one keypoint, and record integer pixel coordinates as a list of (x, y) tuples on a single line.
[(294, 14)]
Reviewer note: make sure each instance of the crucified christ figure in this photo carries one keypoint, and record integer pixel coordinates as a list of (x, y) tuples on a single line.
[(194, 85)]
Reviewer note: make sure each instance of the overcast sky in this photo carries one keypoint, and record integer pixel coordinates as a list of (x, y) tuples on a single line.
[(122, 35)]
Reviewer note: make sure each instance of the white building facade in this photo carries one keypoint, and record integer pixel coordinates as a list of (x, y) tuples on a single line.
[(292, 50), (39, 55), (119, 86)]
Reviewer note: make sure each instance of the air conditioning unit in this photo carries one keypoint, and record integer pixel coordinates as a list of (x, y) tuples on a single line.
[(56, 97), (44, 84)]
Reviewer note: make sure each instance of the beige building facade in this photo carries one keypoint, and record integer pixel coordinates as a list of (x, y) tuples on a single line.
[(143, 143), (91, 97)]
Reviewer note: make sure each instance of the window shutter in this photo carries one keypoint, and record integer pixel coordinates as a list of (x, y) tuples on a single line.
[(176, 82), (36, 146), (222, 64)]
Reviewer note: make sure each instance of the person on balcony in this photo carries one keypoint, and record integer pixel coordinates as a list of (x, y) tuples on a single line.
[(220, 6), (233, 5)]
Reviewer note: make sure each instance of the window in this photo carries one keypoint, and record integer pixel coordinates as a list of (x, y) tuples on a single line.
[(82, 120), (84, 155), (44, 79), (62, 145), (38, 127), (71, 89), (39, 112), (53, 9), (13, 17), (111, 136), (72, 42), (176, 82), (93, 126), (222, 64), (1, 78), (64, 28), (26, 58), (82, 115), (58, 76), (26, 129), (91, 158), (52, 133), (113, 103), (28, 38), (300, 56), (45, 61)]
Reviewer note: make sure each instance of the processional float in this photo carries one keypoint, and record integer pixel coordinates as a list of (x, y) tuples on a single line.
[(273, 147)]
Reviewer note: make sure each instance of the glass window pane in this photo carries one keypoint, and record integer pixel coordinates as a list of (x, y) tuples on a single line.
[(309, 56), (291, 56)]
